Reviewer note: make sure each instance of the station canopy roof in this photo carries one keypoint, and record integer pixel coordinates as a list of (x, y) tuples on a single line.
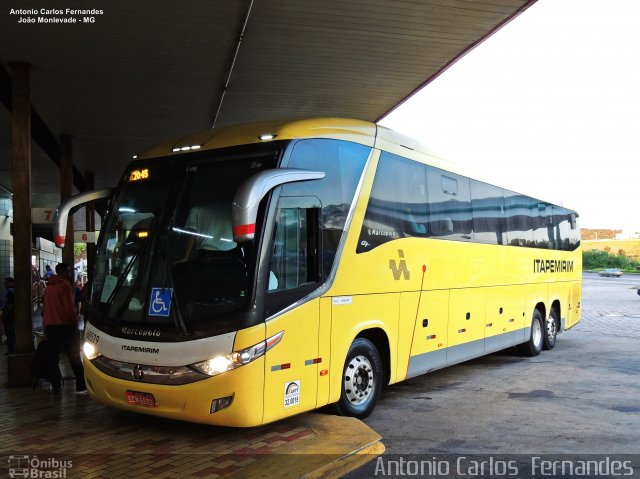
[(145, 72)]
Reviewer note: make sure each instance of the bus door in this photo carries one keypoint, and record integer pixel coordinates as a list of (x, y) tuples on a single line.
[(291, 366)]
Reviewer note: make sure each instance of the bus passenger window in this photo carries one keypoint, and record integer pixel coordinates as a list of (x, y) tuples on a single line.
[(294, 269), (398, 204), (450, 215), (294, 261)]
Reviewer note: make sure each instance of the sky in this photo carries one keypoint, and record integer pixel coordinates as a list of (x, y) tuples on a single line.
[(548, 106)]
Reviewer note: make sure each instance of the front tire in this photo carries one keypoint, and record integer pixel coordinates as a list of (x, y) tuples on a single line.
[(361, 380), (551, 328), (534, 345)]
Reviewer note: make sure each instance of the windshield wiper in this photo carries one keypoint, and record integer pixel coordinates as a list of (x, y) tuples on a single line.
[(122, 277), (177, 317)]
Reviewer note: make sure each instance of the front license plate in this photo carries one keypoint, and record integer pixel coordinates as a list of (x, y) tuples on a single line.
[(136, 398)]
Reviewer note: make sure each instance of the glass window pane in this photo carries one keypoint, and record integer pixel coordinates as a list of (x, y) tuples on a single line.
[(517, 212), (488, 213), (542, 221), (290, 255), (450, 205), (343, 164), (398, 204)]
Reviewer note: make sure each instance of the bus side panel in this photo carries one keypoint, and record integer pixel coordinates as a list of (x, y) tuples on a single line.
[(291, 366), (324, 351), (573, 317), (466, 324), (408, 310), (536, 293), (505, 314), (429, 333), (561, 292), (350, 315)]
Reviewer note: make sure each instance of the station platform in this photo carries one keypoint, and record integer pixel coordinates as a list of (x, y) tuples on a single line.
[(80, 438)]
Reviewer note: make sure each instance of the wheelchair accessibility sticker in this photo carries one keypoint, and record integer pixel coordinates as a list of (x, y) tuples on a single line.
[(160, 302)]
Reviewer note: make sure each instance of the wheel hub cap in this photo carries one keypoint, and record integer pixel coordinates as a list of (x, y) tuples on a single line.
[(358, 380)]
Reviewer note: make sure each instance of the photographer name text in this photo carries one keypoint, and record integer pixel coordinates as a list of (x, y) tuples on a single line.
[(55, 15)]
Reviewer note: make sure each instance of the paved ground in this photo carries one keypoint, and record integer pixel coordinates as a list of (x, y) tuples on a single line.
[(89, 441), (581, 398), (70, 436), (611, 306)]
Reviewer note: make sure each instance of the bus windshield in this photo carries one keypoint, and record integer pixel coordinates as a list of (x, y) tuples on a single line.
[(166, 253)]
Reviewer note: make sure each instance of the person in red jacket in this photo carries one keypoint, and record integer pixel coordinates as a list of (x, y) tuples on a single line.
[(60, 319)]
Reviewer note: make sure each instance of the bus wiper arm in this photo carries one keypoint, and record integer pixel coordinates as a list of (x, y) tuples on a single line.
[(167, 278), (122, 277)]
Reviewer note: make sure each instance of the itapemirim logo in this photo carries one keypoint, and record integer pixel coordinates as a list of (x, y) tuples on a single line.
[(37, 468)]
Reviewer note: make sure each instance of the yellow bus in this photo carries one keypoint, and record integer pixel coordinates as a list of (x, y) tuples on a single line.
[(249, 273)]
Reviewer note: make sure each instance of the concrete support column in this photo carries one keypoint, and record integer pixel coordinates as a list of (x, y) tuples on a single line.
[(19, 364), (66, 190)]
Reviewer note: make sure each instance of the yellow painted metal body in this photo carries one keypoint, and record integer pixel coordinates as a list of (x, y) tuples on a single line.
[(427, 296)]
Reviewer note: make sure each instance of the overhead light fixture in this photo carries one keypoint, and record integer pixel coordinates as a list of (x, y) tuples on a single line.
[(267, 137), (186, 148), (135, 157)]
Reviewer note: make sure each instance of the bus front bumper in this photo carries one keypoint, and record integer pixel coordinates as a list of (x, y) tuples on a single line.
[(194, 402)]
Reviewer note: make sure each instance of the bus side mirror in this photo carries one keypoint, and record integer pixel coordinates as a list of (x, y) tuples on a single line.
[(62, 213), (572, 221), (244, 208)]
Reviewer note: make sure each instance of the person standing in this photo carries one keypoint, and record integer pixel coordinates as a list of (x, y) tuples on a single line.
[(60, 319), (8, 320)]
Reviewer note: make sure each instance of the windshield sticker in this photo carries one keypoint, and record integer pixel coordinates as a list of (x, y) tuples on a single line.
[(109, 285), (160, 302), (291, 393)]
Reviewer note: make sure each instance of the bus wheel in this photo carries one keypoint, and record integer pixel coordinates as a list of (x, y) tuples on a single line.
[(534, 345), (551, 330), (361, 380)]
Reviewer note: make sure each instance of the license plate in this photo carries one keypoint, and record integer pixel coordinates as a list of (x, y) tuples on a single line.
[(135, 398)]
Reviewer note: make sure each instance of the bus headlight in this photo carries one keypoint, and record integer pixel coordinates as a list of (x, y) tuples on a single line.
[(90, 351), (227, 362)]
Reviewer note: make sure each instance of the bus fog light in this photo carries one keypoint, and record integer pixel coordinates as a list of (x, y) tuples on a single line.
[(220, 403), (90, 351)]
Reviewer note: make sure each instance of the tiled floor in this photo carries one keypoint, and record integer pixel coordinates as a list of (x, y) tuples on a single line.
[(50, 432)]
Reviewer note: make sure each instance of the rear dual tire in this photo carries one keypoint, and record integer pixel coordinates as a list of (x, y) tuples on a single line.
[(551, 328), (535, 343)]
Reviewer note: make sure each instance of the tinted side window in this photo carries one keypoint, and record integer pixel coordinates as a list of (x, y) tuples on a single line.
[(574, 233), (450, 205), (398, 204), (566, 234), (489, 225), (542, 221), (517, 213), (343, 163)]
